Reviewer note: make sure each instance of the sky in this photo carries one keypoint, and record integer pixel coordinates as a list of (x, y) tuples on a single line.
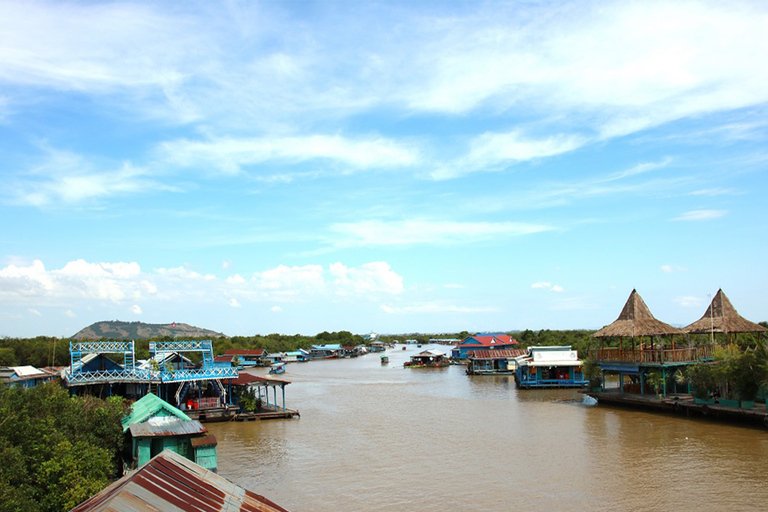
[(297, 167)]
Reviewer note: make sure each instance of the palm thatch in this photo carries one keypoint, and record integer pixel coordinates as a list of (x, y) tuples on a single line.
[(721, 316), (636, 320)]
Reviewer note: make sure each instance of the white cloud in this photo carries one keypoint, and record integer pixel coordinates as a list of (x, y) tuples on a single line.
[(698, 215), (544, 285), (368, 278), (416, 232), (35, 312), (236, 279), (69, 179), (70, 314), (230, 155), (234, 303), (136, 309), (276, 309), (495, 151)]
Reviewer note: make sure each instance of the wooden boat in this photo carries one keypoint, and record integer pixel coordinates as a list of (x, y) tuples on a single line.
[(277, 369)]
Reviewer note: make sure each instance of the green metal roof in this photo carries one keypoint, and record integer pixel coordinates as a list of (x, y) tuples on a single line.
[(149, 406)]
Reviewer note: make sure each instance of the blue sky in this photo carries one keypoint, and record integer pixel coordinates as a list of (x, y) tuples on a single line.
[(296, 167)]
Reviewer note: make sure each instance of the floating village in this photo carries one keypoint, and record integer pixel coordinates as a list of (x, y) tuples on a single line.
[(637, 361)]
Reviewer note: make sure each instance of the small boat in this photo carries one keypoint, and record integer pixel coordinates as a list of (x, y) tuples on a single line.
[(277, 369), (384, 359), (403, 348)]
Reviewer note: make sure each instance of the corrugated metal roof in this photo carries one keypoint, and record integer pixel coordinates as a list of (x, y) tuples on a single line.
[(148, 406), (498, 354), (245, 352), (166, 426), (172, 483), (209, 440)]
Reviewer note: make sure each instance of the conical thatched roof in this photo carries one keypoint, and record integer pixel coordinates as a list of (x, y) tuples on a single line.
[(636, 320), (721, 316)]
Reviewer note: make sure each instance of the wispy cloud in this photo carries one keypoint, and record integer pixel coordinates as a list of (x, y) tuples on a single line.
[(429, 232), (66, 178), (230, 155), (544, 285), (701, 215)]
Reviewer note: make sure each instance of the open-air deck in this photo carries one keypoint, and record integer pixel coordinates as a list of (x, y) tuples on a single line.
[(652, 356)]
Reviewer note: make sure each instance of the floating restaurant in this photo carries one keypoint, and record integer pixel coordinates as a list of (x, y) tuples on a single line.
[(489, 341), (648, 370), (549, 367)]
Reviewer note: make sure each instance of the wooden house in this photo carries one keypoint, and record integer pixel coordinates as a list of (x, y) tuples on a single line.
[(326, 351), (549, 367), (155, 425), (25, 376), (428, 359), (490, 341), (249, 357), (493, 362)]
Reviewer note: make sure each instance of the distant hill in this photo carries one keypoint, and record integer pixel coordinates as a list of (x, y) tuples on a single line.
[(117, 330)]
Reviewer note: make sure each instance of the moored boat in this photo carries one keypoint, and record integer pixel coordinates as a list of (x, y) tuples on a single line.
[(277, 369)]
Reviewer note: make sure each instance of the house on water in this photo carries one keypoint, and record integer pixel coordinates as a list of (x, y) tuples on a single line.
[(493, 362), (249, 357), (489, 341), (197, 389), (155, 425), (645, 350), (427, 359), (549, 367), (327, 351), (25, 376)]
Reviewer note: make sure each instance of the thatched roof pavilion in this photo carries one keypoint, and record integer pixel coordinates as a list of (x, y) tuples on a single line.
[(636, 320), (722, 317)]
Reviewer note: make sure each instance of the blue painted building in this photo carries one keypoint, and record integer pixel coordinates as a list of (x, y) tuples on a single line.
[(549, 367), (485, 341)]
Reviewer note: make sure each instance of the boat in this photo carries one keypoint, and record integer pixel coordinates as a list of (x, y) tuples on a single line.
[(277, 369), (384, 359), (403, 348)]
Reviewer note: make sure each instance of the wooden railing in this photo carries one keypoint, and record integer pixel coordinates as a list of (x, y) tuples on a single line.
[(652, 356)]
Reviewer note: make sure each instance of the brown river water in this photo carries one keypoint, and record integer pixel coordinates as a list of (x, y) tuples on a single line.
[(387, 438)]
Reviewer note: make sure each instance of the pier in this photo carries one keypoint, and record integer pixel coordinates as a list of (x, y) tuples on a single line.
[(684, 404)]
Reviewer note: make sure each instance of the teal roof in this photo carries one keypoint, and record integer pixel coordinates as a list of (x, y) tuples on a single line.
[(149, 406)]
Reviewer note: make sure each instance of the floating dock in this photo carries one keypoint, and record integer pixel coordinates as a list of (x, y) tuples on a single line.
[(685, 405)]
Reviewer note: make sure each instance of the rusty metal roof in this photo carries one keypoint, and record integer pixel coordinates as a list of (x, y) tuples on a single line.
[(209, 440), (166, 426), (172, 483), (497, 354)]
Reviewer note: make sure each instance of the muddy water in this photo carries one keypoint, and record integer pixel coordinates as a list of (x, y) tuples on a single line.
[(385, 438)]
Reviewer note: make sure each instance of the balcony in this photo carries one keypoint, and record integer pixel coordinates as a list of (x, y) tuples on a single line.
[(652, 356)]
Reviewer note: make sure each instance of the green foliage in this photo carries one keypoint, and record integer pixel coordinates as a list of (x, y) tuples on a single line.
[(56, 450), (656, 381), (593, 374), (703, 377)]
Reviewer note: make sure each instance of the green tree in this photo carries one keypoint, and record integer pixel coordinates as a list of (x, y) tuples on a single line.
[(56, 450)]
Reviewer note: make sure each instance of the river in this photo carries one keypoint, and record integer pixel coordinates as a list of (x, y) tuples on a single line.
[(386, 438)]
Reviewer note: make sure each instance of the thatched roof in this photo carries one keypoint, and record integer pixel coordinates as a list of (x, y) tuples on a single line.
[(721, 316), (636, 320)]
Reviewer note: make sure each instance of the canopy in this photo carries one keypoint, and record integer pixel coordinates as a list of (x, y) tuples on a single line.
[(636, 320), (721, 316)]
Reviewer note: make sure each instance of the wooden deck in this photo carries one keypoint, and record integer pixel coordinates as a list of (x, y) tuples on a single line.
[(272, 414), (652, 356), (684, 405)]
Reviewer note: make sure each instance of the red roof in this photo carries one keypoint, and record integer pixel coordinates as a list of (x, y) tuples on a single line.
[(490, 341), (252, 352)]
